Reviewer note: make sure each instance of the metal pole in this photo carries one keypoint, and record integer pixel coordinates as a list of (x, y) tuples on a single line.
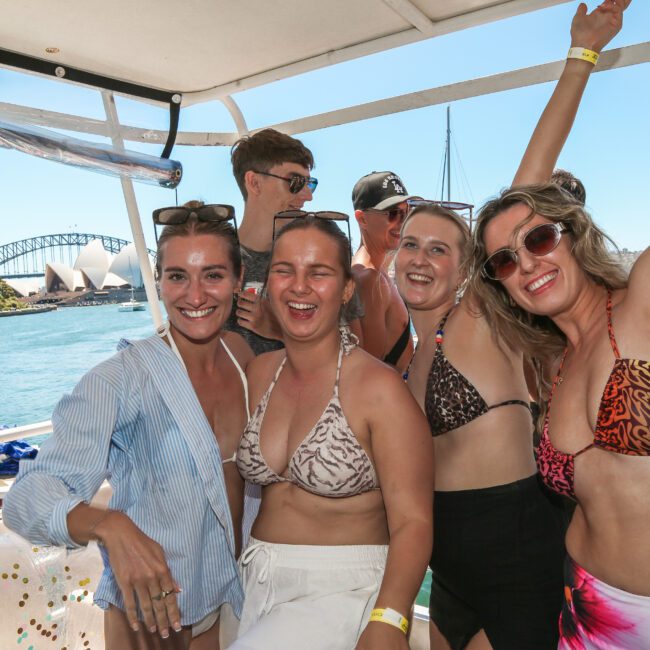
[(134, 214), (448, 155)]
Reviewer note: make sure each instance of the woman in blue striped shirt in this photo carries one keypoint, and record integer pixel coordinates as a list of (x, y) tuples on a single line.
[(161, 421)]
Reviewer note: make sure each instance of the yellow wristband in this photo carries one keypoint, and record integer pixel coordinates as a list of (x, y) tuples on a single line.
[(583, 54), (391, 617)]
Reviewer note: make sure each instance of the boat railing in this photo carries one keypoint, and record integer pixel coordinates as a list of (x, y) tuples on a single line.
[(26, 431)]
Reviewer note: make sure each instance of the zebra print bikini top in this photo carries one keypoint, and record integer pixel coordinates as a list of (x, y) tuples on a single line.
[(329, 461)]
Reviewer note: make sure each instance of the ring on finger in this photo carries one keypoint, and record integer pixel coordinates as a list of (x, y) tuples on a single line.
[(163, 594)]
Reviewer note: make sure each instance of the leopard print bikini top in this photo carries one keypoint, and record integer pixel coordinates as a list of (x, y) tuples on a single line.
[(451, 400), (622, 423), (329, 461)]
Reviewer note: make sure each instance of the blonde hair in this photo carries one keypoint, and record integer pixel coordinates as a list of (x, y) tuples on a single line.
[(538, 336), (438, 211)]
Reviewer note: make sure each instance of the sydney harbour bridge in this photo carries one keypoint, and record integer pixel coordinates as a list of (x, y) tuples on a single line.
[(27, 258)]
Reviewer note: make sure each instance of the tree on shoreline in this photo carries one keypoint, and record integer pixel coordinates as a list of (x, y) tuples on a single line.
[(8, 298)]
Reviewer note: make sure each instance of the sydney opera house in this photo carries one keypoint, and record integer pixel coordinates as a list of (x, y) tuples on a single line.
[(95, 268)]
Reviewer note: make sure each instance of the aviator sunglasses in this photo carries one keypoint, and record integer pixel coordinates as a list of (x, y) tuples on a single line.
[(176, 215), (290, 215), (296, 181), (539, 241)]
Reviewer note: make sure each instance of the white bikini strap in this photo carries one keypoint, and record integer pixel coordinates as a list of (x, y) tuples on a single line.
[(242, 376), (164, 330)]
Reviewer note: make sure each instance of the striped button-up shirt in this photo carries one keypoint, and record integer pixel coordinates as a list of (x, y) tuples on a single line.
[(136, 421)]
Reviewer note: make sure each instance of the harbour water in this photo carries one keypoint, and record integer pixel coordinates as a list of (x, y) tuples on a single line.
[(42, 356)]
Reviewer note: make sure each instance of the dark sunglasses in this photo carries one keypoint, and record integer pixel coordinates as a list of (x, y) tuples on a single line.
[(176, 215), (393, 215), (296, 181), (539, 241), (290, 215)]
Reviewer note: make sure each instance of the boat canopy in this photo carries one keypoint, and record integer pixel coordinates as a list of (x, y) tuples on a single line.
[(184, 53), (207, 49)]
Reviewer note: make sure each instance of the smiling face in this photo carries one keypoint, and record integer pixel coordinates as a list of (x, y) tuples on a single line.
[(306, 284), (427, 264), (544, 285), (382, 227), (197, 283)]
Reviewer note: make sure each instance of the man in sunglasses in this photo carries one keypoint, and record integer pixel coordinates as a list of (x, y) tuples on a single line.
[(272, 171), (380, 206)]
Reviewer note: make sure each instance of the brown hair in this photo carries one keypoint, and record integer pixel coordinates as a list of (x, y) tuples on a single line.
[(567, 181), (538, 336), (194, 226), (263, 150)]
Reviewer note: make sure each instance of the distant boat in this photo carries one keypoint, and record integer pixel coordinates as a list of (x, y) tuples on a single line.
[(132, 304)]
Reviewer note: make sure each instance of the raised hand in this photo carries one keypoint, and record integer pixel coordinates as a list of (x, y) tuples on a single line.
[(596, 29)]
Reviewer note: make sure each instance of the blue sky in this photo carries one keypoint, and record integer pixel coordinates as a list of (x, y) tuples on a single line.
[(609, 148)]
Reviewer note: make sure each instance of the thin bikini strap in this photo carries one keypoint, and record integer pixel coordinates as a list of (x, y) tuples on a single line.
[(556, 381), (405, 374), (610, 329), (277, 375), (242, 376), (440, 332), (509, 402), (165, 330), (338, 370)]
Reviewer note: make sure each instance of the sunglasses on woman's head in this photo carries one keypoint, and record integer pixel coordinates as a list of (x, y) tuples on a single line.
[(328, 215), (539, 241), (449, 205), (296, 181), (465, 208), (176, 215)]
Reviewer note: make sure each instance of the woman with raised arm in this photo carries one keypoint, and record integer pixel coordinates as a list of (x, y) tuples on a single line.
[(549, 284), (161, 420), (345, 459), (498, 548)]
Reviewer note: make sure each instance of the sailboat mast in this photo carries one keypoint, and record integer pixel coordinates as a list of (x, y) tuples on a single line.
[(448, 154), (446, 171)]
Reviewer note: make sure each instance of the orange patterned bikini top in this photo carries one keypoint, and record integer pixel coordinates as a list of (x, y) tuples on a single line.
[(622, 424)]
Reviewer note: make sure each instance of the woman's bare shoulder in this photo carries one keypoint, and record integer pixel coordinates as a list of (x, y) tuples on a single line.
[(373, 378), (239, 347), (637, 296), (261, 369)]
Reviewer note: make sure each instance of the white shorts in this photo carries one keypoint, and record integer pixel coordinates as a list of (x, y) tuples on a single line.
[(316, 597)]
